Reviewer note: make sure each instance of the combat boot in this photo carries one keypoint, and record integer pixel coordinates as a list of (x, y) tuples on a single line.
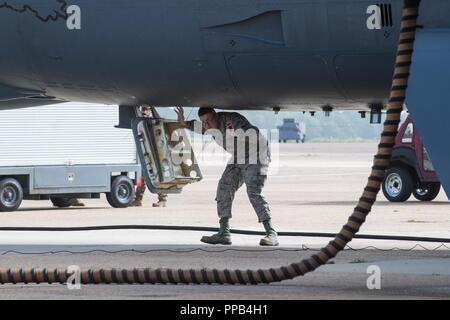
[(271, 238), (222, 237), (77, 203), (138, 198), (136, 203), (162, 201), (159, 204)]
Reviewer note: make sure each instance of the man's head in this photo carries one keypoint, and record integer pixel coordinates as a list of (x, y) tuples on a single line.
[(209, 118), (146, 111)]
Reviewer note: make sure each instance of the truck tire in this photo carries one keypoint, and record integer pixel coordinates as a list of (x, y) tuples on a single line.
[(398, 184), (122, 192), (62, 202), (11, 195), (427, 192)]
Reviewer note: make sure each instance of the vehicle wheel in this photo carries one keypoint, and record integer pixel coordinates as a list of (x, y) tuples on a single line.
[(62, 202), (398, 184), (122, 192), (427, 192), (11, 195)]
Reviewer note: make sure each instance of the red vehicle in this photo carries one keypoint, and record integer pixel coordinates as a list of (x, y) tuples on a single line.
[(411, 170)]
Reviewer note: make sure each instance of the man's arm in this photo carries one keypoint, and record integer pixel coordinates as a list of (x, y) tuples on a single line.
[(190, 125)]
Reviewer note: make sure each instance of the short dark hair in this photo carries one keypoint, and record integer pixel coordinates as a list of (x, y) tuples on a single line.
[(204, 110)]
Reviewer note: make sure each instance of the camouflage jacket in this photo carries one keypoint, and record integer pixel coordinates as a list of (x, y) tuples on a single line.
[(237, 136)]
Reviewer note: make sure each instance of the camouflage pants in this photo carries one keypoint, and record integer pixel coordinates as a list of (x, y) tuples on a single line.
[(162, 197), (235, 175), (141, 190)]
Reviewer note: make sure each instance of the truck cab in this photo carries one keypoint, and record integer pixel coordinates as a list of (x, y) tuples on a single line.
[(411, 171), (291, 130)]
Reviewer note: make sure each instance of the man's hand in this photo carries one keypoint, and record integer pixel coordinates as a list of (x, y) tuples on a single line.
[(180, 114)]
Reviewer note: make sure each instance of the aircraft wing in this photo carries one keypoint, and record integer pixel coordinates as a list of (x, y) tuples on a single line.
[(13, 97), (428, 97)]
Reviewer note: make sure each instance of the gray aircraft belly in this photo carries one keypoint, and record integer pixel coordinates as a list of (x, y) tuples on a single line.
[(232, 53), (254, 54)]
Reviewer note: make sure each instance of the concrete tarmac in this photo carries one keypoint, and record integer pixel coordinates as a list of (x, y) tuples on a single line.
[(312, 188)]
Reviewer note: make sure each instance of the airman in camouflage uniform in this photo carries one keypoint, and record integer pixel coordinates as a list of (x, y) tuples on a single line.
[(249, 164)]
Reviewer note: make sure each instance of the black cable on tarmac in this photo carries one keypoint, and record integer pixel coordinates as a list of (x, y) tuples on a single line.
[(210, 229), (207, 276)]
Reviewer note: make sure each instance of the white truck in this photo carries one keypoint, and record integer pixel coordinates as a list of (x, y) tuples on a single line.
[(64, 152)]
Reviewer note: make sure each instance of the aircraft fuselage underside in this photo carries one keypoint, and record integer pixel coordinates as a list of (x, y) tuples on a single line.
[(253, 54)]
